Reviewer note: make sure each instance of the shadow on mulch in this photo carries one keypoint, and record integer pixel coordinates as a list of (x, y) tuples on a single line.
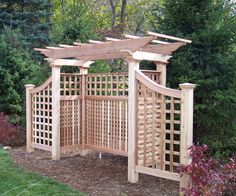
[(106, 176)]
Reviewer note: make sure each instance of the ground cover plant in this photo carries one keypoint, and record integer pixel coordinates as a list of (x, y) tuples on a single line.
[(16, 181)]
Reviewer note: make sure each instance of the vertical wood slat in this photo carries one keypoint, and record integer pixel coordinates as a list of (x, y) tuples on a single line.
[(145, 130), (119, 125), (132, 174), (29, 111), (55, 113), (83, 106), (171, 133), (162, 138), (186, 127), (153, 130)]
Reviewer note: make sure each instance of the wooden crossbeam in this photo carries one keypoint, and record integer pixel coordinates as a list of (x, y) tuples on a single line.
[(163, 49), (69, 62), (99, 49), (116, 55), (158, 49), (169, 37), (140, 55), (114, 49)]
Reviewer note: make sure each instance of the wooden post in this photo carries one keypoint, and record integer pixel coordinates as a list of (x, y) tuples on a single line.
[(186, 138), (83, 72), (55, 112), (132, 109), (29, 118), (161, 67)]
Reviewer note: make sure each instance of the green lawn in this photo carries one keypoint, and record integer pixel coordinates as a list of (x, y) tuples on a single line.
[(16, 181)]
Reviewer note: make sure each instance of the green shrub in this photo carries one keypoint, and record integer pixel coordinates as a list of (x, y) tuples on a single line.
[(16, 69)]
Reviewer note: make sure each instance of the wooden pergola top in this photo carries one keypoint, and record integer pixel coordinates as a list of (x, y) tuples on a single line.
[(140, 47)]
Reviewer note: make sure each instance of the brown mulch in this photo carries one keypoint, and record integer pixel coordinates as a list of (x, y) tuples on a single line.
[(106, 176)]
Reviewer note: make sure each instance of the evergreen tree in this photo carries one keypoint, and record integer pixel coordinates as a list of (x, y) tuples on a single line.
[(32, 17), (209, 62), (16, 69)]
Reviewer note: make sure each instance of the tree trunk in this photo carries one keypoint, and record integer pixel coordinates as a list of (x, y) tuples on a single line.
[(123, 15), (113, 17)]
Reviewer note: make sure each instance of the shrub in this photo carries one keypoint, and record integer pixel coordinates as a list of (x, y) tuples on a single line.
[(209, 176), (10, 135)]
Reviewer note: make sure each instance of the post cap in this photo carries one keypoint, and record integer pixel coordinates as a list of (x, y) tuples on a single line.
[(29, 86), (187, 86)]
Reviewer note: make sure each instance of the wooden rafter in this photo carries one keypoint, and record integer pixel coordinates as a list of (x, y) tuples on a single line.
[(112, 39), (153, 41), (65, 46), (95, 42), (169, 37)]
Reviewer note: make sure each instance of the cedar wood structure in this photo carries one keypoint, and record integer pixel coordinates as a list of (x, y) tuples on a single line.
[(129, 114)]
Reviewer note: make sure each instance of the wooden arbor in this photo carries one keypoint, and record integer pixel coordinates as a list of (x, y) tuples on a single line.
[(132, 114)]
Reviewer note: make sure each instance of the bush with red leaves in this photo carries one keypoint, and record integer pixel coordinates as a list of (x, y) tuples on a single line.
[(209, 176), (10, 134)]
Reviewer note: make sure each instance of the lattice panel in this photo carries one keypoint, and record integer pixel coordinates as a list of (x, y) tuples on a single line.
[(70, 84), (158, 125), (106, 124), (112, 84), (70, 123), (42, 116), (153, 75)]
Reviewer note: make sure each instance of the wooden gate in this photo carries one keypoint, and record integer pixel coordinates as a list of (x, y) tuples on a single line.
[(158, 129)]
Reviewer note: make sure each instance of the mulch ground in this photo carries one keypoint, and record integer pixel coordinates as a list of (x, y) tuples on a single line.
[(106, 176)]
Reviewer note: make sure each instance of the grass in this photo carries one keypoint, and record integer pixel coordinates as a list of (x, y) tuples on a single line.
[(15, 181)]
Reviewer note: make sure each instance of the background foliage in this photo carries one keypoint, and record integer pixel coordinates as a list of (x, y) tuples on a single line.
[(208, 62)]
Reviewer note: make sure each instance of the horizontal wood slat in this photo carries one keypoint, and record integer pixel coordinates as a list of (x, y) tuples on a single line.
[(157, 88)]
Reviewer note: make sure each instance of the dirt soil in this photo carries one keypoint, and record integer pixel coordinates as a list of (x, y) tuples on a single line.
[(106, 176)]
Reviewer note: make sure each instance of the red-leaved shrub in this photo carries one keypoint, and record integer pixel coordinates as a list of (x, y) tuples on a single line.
[(209, 176), (10, 134)]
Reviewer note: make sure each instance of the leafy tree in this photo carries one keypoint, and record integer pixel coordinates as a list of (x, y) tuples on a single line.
[(72, 21), (115, 17), (209, 62), (16, 69), (32, 17)]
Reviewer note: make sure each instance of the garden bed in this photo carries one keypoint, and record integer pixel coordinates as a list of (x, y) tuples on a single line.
[(91, 175)]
